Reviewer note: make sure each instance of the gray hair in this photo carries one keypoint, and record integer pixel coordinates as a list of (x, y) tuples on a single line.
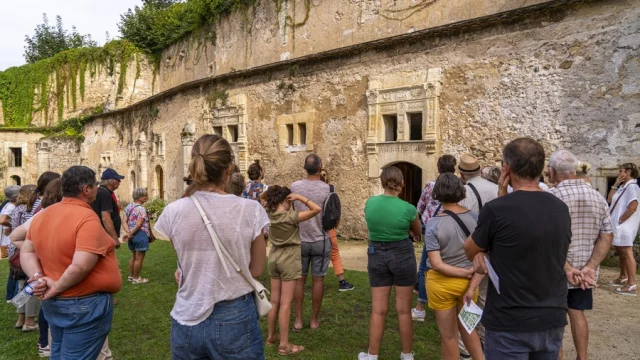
[(11, 192), (138, 193), (564, 162)]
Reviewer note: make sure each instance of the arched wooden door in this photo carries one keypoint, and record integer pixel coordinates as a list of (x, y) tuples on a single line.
[(412, 182)]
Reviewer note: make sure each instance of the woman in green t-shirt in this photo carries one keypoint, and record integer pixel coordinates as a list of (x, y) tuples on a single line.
[(391, 260)]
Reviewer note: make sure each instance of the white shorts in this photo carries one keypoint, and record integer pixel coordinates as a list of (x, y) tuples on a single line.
[(626, 233)]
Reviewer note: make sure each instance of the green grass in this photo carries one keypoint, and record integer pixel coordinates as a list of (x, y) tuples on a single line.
[(141, 323)]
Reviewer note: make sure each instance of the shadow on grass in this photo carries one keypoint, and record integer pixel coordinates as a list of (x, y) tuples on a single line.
[(141, 324)]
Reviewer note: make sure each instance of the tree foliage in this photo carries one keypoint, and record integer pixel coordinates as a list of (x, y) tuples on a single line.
[(50, 40), (160, 23)]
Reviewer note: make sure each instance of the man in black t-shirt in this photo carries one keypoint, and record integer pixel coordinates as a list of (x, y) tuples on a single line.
[(106, 204), (525, 235)]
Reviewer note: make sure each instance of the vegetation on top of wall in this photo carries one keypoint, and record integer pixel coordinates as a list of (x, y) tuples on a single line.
[(71, 128), (159, 23), (27, 89), (216, 95)]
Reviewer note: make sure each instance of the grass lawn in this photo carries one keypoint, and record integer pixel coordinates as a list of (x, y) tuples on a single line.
[(141, 321)]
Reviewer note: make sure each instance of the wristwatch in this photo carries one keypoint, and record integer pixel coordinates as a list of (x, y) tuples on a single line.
[(614, 187)]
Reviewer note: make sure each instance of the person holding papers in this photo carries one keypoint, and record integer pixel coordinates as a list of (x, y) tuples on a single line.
[(448, 282), (526, 236)]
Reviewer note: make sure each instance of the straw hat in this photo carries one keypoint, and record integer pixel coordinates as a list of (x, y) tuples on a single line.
[(468, 164)]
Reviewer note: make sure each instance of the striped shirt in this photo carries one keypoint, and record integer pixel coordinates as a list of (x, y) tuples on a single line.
[(589, 218)]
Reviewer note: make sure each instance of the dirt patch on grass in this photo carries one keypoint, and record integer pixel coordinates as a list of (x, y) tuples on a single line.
[(614, 323)]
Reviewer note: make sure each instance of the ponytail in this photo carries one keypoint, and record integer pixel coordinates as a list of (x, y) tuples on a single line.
[(210, 159)]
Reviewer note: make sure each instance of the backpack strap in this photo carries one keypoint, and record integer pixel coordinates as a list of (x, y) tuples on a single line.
[(475, 191), (455, 217), (331, 189)]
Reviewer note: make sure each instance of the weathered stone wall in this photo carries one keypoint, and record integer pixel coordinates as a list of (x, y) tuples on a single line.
[(268, 34), (28, 172), (101, 90), (567, 77)]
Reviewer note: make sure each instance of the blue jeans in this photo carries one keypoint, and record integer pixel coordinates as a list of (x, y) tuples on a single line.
[(12, 288), (422, 269), (231, 332), (79, 326), (43, 326), (539, 345)]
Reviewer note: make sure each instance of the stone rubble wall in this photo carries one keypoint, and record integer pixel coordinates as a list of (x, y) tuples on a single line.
[(568, 77), (265, 34)]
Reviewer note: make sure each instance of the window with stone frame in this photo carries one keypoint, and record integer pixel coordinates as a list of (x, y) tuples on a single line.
[(415, 126), (295, 131), (15, 157), (390, 127)]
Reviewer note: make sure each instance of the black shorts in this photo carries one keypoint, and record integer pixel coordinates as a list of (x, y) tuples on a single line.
[(391, 263), (578, 299)]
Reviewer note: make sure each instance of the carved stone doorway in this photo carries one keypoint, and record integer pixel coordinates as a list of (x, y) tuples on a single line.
[(412, 182)]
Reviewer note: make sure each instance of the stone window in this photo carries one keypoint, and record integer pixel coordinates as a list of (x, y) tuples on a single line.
[(105, 159), (158, 182), (290, 134), (302, 133), (295, 132), (233, 133), (390, 127), (217, 130), (158, 144), (415, 126), (15, 157)]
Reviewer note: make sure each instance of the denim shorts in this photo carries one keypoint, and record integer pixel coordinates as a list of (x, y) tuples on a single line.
[(317, 255), (391, 263), (231, 332), (79, 326), (139, 242)]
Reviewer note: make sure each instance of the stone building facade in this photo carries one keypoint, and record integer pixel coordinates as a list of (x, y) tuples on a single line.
[(368, 84)]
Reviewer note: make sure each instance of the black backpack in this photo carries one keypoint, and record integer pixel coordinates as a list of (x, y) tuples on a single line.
[(331, 210)]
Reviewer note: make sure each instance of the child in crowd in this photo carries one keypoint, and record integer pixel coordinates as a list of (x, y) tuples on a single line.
[(284, 260)]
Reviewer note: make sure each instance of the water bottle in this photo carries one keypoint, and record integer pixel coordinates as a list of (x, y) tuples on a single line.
[(23, 296)]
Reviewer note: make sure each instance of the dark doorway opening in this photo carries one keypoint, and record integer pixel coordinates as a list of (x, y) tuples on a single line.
[(412, 182)]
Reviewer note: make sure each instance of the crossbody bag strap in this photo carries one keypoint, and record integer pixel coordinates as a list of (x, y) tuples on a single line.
[(618, 200), (475, 191), (455, 217), (220, 248)]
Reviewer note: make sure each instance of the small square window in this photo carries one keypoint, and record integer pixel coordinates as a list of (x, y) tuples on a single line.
[(390, 127), (290, 134), (233, 133), (415, 126), (302, 131), (15, 158), (217, 130)]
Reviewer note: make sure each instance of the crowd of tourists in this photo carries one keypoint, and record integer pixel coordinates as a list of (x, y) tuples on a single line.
[(525, 252)]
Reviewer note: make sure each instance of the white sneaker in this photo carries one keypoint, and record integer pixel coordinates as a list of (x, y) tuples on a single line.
[(408, 356), (366, 356), (418, 315)]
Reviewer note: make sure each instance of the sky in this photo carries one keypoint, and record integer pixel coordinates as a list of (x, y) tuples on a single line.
[(20, 17)]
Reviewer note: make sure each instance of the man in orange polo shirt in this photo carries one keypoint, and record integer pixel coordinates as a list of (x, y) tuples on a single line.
[(68, 245)]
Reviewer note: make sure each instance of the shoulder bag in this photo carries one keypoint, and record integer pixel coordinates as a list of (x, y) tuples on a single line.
[(259, 291), (455, 217)]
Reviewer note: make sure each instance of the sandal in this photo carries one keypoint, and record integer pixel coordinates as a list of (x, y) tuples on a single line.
[(129, 278), (628, 290), (291, 349), (139, 281), (617, 282), (274, 341)]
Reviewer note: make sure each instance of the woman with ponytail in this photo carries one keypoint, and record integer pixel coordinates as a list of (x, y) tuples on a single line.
[(391, 260), (215, 315)]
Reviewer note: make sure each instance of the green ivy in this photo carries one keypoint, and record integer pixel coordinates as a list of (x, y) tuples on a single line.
[(72, 128), (25, 90)]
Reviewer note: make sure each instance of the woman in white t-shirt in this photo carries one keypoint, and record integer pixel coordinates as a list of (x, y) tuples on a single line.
[(215, 315), (625, 217)]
